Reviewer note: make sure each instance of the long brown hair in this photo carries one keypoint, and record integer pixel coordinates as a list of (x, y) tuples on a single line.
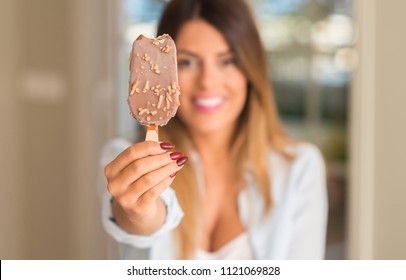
[(258, 129)]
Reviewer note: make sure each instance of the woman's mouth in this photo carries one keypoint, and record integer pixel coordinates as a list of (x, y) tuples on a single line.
[(208, 104)]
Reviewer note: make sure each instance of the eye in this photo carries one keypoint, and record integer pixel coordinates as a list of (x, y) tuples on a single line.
[(184, 63), (229, 61)]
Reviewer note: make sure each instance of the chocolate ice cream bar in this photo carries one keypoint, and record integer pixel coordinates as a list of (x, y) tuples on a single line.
[(154, 90)]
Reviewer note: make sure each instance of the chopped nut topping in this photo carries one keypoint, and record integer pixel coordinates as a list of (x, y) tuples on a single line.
[(146, 57), (156, 69), (162, 38), (142, 111), (133, 88), (166, 49), (168, 97), (161, 99), (146, 86)]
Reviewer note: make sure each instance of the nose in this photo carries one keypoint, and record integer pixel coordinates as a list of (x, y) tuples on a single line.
[(208, 76)]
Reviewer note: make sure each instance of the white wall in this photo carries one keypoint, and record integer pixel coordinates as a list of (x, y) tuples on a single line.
[(54, 70), (11, 193), (390, 131), (378, 152)]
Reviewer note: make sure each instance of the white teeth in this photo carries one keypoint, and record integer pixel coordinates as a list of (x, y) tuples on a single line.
[(209, 101)]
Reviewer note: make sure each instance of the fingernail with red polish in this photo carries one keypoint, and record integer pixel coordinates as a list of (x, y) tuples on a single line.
[(181, 161), (167, 146), (173, 175), (175, 155)]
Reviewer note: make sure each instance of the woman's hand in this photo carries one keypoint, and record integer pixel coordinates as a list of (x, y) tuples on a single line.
[(136, 179)]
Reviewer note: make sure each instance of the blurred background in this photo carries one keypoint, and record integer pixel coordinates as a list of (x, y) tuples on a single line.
[(337, 68)]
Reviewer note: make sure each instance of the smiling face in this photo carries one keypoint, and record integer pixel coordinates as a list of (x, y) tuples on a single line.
[(213, 88)]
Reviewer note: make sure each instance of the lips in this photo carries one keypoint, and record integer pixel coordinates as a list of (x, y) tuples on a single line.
[(208, 104)]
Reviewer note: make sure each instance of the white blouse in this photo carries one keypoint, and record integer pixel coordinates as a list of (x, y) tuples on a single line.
[(294, 229), (237, 249)]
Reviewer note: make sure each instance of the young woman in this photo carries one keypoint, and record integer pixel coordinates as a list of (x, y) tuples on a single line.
[(247, 191)]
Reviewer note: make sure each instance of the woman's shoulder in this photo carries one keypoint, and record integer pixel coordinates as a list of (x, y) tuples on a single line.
[(304, 151), (299, 157), (303, 172)]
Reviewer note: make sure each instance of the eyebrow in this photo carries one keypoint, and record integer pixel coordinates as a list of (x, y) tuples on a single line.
[(186, 52)]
